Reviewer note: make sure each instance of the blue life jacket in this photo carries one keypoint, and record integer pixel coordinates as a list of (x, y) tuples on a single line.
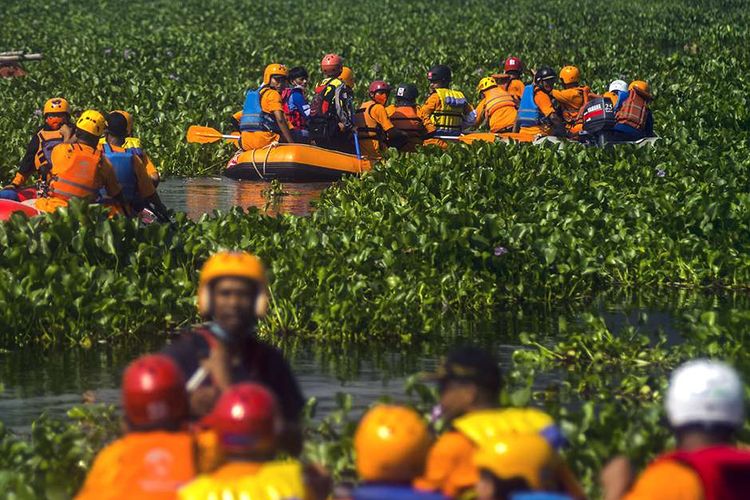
[(254, 119), (529, 114), (378, 491), (539, 495), (122, 162)]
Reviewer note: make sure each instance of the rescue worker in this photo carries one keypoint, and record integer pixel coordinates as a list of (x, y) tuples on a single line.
[(617, 90), (571, 98), (405, 116), (390, 446), (705, 408), (497, 107), (374, 128), (156, 456), (262, 122), (347, 76), (133, 144), (517, 467), (469, 384), (80, 170), (538, 112), (510, 80), (232, 296), (246, 420), (332, 109), (57, 129), (447, 109), (634, 118), (137, 186), (296, 107)]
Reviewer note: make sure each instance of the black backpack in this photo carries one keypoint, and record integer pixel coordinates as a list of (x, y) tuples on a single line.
[(598, 115)]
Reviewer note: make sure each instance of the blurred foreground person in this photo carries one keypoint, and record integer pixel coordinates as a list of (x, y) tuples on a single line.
[(705, 407), (157, 455)]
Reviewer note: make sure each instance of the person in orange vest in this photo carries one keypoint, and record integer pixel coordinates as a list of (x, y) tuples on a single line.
[(510, 80), (226, 350), (374, 128), (497, 107), (538, 111), (391, 445), (156, 456), (247, 422), (80, 170), (447, 109), (57, 129), (469, 383), (262, 121), (705, 408), (634, 118), (405, 116), (572, 97), (137, 186)]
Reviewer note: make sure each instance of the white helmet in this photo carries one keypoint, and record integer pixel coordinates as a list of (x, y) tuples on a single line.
[(618, 85), (705, 391)]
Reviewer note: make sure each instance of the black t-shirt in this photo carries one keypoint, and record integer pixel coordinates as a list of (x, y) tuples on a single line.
[(259, 362)]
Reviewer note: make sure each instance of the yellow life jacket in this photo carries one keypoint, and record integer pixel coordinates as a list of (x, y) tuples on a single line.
[(273, 481), (484, 426), (449, 118), (76, 177)]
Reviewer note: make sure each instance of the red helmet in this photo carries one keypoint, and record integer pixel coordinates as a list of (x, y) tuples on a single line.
[(331, 62), (245, 418), (379, 86), (153, 392), (513, 64)]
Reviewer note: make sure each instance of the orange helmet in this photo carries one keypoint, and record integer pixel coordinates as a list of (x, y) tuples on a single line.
[(232, 264), (347, 76), (273, 70), (331, 64), (570, 74), (56, 105), (391, 444), (128, 118), (528, 456), (641, 87)]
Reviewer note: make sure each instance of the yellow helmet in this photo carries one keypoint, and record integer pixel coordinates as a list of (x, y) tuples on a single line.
[(231, 264), (128, 118), (642, 87), (347, 76), (391, 444), (272, 70), (486, 83), (528, 456), (56, 105), (570, 74), (92, 122)]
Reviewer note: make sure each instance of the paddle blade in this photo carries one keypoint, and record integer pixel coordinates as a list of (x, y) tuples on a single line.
[(203, 135)]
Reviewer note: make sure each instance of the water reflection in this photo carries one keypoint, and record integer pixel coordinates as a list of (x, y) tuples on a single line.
[(200, 195)]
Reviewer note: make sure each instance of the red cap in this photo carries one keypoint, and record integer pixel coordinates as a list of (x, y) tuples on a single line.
[(330, 62), (153, 392), (245, 419), (379, 86), (513, 64)]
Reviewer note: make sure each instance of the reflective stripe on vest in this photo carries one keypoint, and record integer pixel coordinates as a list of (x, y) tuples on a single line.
[(48, 139), (122, 162), (634, 111), (78, 178), (449, 118), (405, 118), (496, 98), (253, 118), (529, 114), (367, 127), (724, 471)]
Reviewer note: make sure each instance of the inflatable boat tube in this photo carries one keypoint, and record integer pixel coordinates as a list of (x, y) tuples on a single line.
[(9, 207)]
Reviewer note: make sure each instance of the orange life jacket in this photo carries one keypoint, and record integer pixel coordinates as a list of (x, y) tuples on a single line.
[(572, 116), (496, 98), (142, 465), (634, 111), (367, 127), (406, 119), (48, 139), (76, 178)]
